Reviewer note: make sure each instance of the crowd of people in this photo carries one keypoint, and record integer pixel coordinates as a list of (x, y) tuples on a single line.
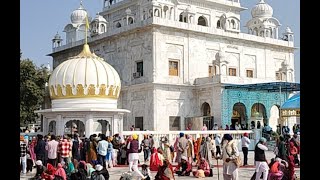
[(70, 158)]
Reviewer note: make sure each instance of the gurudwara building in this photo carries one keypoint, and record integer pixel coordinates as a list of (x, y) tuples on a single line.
[(183, 61)]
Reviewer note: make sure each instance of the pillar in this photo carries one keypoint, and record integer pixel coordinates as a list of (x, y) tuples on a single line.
[(88, 125), (59, 125), (45, 125)]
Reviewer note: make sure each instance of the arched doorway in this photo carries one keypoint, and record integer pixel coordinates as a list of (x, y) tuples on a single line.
[(206, 113), (239, 115), (258, 110), (105, 127), (74, 126), (274, 117), (52, 127), (205, 109)]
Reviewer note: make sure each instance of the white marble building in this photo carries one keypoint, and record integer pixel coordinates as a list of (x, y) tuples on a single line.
[(175, 56)]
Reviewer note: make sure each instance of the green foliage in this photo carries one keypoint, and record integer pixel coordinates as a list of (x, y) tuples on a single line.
[(32, 90)]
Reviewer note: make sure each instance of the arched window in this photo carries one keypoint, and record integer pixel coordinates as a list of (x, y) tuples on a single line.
[(233, 24), (255, 31), (166, 12), (182, 18), (102, 28), (118, 25), (218, 24), (202, 21), (130, 20), (156, 13)]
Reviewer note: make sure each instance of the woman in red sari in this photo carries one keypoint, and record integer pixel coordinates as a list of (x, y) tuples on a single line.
[(156, 160)]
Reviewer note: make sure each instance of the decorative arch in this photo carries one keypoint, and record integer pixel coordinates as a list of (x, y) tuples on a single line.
[(182, 17), (218, 24), (52, 127), (68, 27), (156, 13), (102, 28), (166, 13), (104, 127), (74, 126), (255, 31), (205, 109), (233, 60), (130, 20), (202, 21), (239, 114), (233, 24), (223, 69), (259, 110), (191, 19), (118, 25)]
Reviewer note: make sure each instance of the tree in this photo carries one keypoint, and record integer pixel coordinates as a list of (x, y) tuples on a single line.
[(32, 90)]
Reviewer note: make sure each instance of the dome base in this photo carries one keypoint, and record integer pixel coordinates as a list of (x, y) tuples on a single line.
[(85, 103)]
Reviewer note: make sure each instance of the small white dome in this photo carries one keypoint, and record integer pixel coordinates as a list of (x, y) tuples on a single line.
[(57, 36), (99, 18), (128, 11), (288, 30), (262, 9), (78, 16), (84, 76)]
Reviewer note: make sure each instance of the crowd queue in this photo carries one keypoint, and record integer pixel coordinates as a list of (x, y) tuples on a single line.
[(68, 157)]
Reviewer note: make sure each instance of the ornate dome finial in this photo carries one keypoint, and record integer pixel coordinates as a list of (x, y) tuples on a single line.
[(262, 9)]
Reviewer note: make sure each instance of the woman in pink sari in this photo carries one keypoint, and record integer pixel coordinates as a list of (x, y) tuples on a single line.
[(61, 172), (31, 149), (156, 160)]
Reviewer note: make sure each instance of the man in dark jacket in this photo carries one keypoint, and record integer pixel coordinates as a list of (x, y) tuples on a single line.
[(40, 149)]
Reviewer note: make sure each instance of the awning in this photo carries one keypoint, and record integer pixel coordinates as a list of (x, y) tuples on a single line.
[(291, 107)]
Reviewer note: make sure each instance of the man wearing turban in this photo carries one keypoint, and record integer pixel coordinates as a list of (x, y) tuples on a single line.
[(183, 145)]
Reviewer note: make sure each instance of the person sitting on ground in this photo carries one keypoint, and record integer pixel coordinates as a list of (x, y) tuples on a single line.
[(81, 173), (39, 170), (275, 172), (165, 172), (49, 173), (100, 173), (203, 167), (156, 160), (146, 172), (60, 172), (89, 170), (185, 166)]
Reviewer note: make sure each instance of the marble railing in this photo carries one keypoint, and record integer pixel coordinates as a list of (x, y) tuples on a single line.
[(171, 135)]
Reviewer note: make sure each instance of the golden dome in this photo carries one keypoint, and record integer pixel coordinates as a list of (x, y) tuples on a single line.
[(84, 76)]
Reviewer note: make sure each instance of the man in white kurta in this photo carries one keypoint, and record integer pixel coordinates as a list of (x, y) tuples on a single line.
[(260, 159)]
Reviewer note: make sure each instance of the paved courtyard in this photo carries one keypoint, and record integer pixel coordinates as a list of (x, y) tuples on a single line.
[(245, 173)]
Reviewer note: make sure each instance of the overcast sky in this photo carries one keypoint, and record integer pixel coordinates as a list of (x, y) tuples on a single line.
[(40, 20)]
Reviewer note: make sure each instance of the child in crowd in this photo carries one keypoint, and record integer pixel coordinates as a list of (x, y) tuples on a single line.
[(146, 172)]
